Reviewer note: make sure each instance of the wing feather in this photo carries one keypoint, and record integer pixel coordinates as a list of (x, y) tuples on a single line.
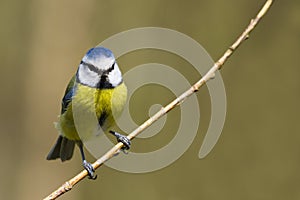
[(69, 93)]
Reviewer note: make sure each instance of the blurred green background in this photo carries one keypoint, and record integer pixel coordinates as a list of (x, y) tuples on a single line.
[(258, 154)]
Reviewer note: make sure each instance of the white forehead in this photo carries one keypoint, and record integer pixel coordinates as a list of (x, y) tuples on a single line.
[(100, 57)]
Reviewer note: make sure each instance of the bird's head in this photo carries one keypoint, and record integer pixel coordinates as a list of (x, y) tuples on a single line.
[(98, 69)]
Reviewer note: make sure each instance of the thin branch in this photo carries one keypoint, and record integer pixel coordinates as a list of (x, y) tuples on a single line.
[(67, 186)]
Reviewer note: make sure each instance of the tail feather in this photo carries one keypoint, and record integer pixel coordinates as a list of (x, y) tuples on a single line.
[(62, 149)]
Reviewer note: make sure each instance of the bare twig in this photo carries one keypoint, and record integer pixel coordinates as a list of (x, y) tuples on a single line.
[(67, 186)]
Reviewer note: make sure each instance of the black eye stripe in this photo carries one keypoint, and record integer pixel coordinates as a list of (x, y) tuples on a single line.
[(95, 69), (111, 68), (91, 67)]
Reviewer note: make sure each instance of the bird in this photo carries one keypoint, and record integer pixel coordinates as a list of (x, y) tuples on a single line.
[(96, 90)]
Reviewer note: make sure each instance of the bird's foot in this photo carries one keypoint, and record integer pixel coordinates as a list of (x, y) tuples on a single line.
[(90, 169), (122, 138)]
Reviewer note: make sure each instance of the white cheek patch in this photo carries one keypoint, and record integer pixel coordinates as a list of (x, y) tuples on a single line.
[(88, 77), (115, 76)]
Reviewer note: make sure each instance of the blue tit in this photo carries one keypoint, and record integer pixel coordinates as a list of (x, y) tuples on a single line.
[(97, 89)]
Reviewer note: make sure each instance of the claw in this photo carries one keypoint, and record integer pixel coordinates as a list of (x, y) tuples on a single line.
[(123, 139), (90, 169)]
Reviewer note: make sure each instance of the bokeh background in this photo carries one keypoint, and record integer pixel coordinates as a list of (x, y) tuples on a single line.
[(258, 154)]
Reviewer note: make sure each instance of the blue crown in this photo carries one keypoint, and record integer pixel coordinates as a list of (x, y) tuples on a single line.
[(98, 52)]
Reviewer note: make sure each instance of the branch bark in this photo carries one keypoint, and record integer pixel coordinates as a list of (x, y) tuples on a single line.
[(67, 186)]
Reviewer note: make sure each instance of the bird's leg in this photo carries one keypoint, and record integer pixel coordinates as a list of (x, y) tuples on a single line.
[(123, 139), (87, 166)]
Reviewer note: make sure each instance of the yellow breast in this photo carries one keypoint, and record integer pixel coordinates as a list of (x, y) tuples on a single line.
[(91, 107)]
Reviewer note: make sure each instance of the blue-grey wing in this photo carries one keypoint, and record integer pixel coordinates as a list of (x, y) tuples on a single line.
[(68, 95)]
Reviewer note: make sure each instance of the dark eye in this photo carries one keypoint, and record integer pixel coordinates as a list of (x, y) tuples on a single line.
[(111, 68), (91, 67)]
